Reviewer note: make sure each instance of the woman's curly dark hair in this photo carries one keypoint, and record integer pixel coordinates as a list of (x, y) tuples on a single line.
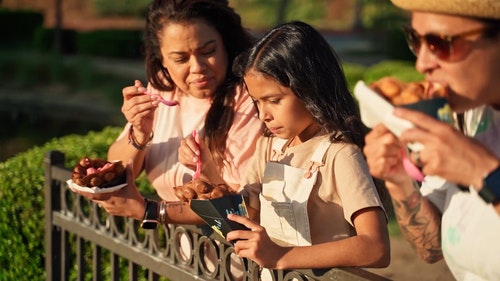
[(235, 37)]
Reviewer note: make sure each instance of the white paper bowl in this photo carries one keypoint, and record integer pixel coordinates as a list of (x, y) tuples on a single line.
[(96, 190)]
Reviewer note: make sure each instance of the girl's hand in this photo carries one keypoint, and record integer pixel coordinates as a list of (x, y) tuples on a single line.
[(255, 244), (190, 150), (138, 108), (125, 202), (447, 152)]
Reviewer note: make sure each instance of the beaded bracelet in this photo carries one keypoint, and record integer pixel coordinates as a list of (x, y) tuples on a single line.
[(133, 141)]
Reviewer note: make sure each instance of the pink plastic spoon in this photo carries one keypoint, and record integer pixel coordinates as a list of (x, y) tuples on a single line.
[(412, 169), (198, 162), (162, 100)]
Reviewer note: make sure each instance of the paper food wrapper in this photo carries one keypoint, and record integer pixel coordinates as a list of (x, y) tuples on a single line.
[(214, 212), (374, 110)]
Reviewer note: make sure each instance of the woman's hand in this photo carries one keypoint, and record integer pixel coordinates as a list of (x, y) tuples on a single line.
[(255, 244), (138, 108), (447, 152), (125, 202)]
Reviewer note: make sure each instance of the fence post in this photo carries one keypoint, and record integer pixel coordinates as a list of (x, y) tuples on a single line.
[(52, 202)]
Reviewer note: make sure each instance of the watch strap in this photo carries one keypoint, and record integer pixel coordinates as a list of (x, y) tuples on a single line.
[(491, 187), (150, 219)]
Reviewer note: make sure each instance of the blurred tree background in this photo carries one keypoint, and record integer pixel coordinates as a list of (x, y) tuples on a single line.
[(259, 14), (54, 49), (63, 64)]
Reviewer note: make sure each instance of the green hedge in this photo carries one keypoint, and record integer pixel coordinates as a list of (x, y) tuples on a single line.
[(403, 70), (44, 40), (22, 205), (74, 75), (110, 43), (18, 27)]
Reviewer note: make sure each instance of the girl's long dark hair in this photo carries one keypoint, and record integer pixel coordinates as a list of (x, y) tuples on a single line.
[(298, 57), (227, 22)]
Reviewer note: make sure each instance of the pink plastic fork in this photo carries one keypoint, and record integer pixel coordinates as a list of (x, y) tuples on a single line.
[(162, 100), (198, 162)]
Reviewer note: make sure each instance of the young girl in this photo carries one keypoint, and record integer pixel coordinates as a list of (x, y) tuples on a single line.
[(318, 204)]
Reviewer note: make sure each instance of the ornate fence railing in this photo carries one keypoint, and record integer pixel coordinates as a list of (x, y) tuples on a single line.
[(83, 242)]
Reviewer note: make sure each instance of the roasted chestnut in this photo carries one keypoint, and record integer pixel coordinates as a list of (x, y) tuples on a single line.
[(200, 189), (98, 173)]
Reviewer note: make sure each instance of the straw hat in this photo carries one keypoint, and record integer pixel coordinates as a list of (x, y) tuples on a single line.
[(470, 8)]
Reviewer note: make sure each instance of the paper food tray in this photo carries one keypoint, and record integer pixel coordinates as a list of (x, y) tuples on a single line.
[(95, 189)]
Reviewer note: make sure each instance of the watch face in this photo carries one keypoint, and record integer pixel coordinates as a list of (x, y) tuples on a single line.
[(149, 224)]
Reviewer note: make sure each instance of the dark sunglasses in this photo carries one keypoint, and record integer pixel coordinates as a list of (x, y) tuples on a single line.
[(442, 46)]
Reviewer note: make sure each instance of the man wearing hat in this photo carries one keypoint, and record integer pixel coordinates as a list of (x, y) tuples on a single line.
[(455, 214)]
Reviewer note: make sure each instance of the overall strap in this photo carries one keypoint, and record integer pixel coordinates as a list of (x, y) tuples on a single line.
[(279, 146), (318, 157)]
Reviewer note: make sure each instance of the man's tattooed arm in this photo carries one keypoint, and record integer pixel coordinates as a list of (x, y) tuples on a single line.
[(420, 223)]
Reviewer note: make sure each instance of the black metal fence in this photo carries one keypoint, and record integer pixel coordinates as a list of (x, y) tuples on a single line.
[(83, 242)]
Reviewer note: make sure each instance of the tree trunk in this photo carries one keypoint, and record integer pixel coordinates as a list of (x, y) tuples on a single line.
[(58, 27), (283, 4), (358, 25)]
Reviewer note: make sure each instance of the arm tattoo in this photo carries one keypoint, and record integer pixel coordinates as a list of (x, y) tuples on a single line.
[(176, 206), (420, 223)]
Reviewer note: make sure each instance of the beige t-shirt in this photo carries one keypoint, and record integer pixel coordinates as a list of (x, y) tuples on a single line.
[(174, 123), (343, 187)]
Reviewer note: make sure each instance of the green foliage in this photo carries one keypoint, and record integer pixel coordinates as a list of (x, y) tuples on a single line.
[(353, 73), (28, 73), (110, 43), (18, 27), (263, 14), (22, 200), (30, 70), (21, 203), (386, 20), (306, 10), (44, 40), (114, 43), (381, 15), (402, 70), (121, 7)]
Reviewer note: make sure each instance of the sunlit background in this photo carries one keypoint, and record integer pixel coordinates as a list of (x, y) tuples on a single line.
[(63, 63)]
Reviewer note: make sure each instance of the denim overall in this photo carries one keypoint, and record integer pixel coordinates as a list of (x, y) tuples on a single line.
[(284, 196)]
